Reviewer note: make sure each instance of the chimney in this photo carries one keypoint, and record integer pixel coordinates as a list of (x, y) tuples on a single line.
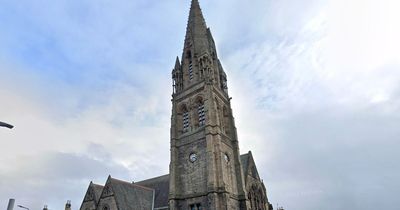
[(45, 207), (11, 203), (68, 205)]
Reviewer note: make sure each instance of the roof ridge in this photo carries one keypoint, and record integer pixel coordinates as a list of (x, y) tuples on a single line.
[(130, 184), (94, 184), (143, 187), (151, 179)]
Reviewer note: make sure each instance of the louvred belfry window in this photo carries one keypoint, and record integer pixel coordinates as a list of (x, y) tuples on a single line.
[(190, 71), (196, 207), (202, 115), (185, 119)]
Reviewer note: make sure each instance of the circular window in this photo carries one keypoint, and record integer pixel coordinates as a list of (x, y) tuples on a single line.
[(193, 157)]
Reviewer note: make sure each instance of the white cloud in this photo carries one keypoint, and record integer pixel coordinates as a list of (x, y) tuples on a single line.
[(315, 89), (322, 106)]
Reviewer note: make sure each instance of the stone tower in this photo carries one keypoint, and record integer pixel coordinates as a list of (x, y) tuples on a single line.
[(205, 168)]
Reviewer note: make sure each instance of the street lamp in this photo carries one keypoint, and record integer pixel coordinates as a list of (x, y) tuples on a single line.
[(23, 207), (2, 124)]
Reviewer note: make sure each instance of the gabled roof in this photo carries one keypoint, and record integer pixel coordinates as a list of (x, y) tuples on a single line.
[(244, 160), (161, 186), (97, 189), (129, 196), (249, 166), (93, 193)]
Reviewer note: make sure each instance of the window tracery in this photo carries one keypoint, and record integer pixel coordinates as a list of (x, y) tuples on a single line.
[(185, 121), (201, 115), (257, 198), (190, 71), (195, 207)]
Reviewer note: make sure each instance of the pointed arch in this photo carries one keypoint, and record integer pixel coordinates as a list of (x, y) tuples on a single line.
[(189, 56), (257, 198), (184, 121), (201, 113)]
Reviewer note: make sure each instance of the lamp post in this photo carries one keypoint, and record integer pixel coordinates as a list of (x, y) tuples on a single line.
[(2, 124), (23, 207)]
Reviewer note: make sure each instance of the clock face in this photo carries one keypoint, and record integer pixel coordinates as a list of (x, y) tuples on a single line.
[(193, 157)]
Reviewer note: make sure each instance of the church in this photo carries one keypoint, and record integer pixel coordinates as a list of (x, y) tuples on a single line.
[(206, 171)]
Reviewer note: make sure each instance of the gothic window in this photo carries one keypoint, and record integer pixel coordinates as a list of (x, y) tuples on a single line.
[(256, 197), (185, 121), (202, 115), (196, 207), (190, 71)]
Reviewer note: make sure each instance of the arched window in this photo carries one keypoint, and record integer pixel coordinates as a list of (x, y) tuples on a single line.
[(105, 207), (190, 70), (196, 207), (201, 112), (256, 197), (185, 119)]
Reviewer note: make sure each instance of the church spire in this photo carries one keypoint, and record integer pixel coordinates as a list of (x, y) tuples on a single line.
[(205, 168), (199, 61), (195, 14), (197, 35)]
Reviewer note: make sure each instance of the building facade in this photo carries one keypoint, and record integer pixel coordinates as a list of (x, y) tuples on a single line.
[(207, 171)]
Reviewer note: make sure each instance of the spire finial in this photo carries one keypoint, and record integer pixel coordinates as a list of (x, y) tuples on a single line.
[(196, 31), (196, 15), (177, 63)]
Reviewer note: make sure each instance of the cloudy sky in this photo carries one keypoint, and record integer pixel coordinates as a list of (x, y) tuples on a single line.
[(315, 87)]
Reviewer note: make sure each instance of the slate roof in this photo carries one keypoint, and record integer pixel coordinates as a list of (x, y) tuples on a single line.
[(244, 160), (161, 186), (249, 166), (97, 189), (131, 196), (141, 195)]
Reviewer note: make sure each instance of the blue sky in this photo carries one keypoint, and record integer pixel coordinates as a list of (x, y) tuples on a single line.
[(315, 87)]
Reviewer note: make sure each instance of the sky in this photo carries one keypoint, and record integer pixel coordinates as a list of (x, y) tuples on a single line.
[(315, 87)]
